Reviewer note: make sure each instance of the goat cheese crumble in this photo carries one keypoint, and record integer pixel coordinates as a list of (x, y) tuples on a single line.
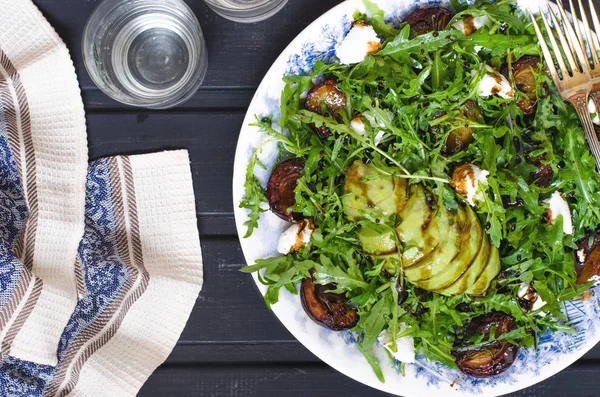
[(360, 41), (557, 205), (296, 237)]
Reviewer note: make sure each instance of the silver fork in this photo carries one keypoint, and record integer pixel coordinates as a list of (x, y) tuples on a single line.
[(574, 85), (589, 42)]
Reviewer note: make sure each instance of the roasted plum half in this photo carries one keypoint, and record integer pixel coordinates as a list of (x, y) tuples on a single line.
[(427, 20), (281, 186), (328, 309), (524, 73), (326, 99), (461, 135), (492, 358), (544, 173), (588, 257)]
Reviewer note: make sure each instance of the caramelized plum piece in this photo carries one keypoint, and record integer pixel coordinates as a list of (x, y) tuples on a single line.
[(327, 309), (524, 72), (508, 202), (588, 257), (281, 186), (427, 20), (326, 98), (460, 137), (490, 359), (544, 173)]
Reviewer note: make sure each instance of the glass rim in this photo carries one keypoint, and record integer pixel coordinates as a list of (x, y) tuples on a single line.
[(250, 8)]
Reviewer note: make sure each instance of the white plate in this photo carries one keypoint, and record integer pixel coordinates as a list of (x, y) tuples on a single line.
[(338, 349)]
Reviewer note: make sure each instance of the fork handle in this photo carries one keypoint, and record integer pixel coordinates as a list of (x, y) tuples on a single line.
[(580, 103)]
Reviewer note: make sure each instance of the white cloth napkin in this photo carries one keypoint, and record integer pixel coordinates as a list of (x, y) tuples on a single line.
[(45, 126), (100, 266)]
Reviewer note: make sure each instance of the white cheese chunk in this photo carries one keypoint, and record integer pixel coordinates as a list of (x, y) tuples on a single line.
[(557, 205), (296, 237), (379, 137), (360, 41), (527, 292), (493, 83), (358, 125), (470, 24), (405, 346), (467, 179)]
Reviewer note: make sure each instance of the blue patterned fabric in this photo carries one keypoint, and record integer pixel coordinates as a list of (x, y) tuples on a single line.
[(13, 214), (104, 272)]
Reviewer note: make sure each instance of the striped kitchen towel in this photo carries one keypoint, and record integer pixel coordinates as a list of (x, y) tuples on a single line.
[(100, 263)]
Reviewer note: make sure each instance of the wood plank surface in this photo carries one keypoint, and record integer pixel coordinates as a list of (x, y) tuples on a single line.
[(314, 379), (210, 137), (233, 345)]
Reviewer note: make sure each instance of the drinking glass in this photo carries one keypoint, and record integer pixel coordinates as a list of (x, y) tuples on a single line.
[(246, 10), (148, 53)]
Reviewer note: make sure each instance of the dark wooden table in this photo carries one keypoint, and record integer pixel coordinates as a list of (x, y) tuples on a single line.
[(232, 345)]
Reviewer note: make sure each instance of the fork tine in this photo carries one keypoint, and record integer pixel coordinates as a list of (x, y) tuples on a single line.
[(588, 34), (574, 43), (596, 29), (576, 22), (554, 44), (545, 49), (566, 44)]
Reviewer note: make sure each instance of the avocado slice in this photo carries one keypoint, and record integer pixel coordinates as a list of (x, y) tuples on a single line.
[(383, 195), (417, 221), (375, 243), (417, 217), (471, 243), (491, 271), (417, 213), (469, 278), (443, 254)]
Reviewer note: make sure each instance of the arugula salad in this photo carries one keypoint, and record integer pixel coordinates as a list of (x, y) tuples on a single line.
[(441, 196)]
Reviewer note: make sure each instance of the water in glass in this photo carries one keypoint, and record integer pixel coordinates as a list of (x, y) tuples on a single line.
[(246, 10), (146, 52)]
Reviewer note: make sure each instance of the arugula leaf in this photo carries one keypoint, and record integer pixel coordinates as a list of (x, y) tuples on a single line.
[(372, 362), (254, 195), (378, 20), (459, 5), (438, 71), (402, 46), (499, 44), (375, 320), (350, 279)]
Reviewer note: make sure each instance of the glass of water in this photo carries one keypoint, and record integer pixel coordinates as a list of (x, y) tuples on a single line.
[(246, 10), (148, 53)]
